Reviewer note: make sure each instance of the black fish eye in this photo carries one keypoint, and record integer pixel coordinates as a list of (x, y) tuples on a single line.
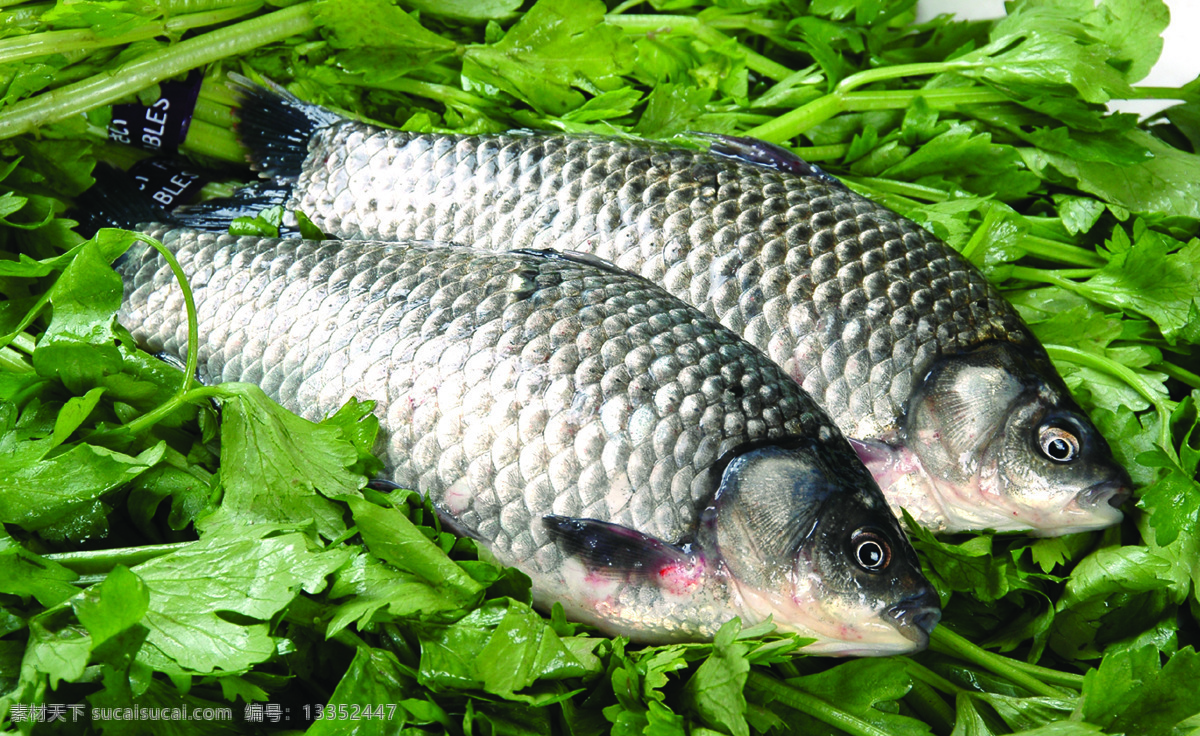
[(870, 550), (1058, 444)]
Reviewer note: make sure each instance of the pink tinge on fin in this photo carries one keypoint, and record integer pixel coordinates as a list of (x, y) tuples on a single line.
[(886, 462), (873, 453), (680, 578), (610, 550), (901, 477)]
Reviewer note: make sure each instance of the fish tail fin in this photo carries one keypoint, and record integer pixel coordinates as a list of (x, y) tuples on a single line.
[(275, 126), (215, 215), (114, 201)]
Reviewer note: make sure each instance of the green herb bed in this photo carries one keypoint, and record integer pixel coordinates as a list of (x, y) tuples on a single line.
[(157, 553)]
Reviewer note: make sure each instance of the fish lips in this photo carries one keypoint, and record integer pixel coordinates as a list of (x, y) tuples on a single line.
[(1113, 493), (915, 617)]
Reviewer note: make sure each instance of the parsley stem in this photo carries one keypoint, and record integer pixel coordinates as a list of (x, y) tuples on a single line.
[(624, 6), (1113, 368), (211, 111), (650, 23), (23, 341), (1052, 676), (102, 561), (61, 42), (1054, 250), (918, 671), (109, 86), (149, 419), (947, 642), (903, 188), (429, 90), (179, 7), (880, 74), (821, 153), (213, 141), (1178, 373), (1043, 276), (931, 707), (1162, 93), (350, 639), (791, 124), (761, 26), (804, 118), (13, 362), (217, 93), (812, 705), (193, 329), (937, 99), (1059, 276)]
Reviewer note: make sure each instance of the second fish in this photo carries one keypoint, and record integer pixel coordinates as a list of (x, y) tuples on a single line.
[(953, 404)]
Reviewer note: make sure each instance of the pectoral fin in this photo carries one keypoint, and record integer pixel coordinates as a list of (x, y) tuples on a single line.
[(612, 550)]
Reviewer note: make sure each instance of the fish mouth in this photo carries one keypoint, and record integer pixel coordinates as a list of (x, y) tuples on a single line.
[(915, 617), (1111, 493)]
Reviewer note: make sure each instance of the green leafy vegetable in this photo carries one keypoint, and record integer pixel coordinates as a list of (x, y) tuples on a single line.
[(156, 553)]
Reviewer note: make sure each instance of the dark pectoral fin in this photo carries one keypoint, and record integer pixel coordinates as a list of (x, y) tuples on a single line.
[(614, 549)]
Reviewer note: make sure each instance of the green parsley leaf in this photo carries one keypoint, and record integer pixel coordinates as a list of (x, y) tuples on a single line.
[(865, 688), (374, 680), (1129, 692), (272, 461), (555, 46), (377, 39), (1154, 277), (391, 537), (715, 691), (22, 573), (1164, 184), (116, 604), (253, 577), (370, 585)]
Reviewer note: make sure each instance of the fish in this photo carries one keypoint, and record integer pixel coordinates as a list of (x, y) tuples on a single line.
[(646, 467), (948, 397)]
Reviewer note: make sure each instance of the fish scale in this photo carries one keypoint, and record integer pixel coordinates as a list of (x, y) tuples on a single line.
[(851, 299)]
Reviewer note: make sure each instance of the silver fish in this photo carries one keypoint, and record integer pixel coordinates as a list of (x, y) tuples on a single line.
[(953, 404), (645, 466)]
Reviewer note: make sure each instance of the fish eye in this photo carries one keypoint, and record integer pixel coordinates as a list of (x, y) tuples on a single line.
[(870, 550), (1058, 444)]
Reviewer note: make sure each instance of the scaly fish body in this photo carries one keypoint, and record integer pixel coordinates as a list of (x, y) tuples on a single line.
[(857, 304), (645, 466)]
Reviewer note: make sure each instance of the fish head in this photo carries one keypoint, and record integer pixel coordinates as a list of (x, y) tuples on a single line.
[(807, 539), (1004, 446)]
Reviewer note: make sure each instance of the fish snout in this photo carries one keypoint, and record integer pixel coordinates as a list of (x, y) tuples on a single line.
[(916, 616), (1110, 492)]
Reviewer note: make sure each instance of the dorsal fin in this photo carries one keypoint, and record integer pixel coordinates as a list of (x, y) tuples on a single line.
[(761, 153)]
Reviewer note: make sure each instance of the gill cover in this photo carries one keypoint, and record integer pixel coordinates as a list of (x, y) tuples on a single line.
[(807, 538), (1006, 447)]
